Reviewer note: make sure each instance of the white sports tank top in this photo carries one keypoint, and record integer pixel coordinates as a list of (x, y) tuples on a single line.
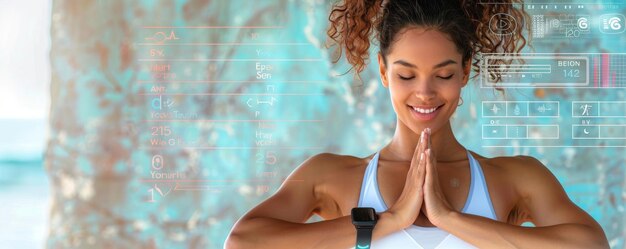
[(478, 203)]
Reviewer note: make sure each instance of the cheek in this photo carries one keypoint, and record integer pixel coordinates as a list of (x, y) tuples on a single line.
[(398, 93), (455, 93), (452, 90)]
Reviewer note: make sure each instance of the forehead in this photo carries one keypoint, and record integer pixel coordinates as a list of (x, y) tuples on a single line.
[(424, 47)]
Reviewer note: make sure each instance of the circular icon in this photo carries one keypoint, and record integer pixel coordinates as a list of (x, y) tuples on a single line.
[(583, 23), (614, 23), (157, 162), (502, 24), (555, 23)]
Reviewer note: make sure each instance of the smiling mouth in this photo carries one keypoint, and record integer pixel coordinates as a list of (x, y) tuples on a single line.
[(424, 113), (425, 110)]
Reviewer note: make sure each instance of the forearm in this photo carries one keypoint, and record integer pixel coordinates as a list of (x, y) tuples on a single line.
[(274, 233), (487, 233)]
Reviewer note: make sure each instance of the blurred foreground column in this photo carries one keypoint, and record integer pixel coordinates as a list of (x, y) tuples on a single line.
[(94, 157)]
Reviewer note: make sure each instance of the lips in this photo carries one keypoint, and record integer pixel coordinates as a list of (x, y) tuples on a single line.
[(424, 112)]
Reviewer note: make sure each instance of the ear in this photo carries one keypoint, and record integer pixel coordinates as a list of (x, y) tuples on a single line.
[(383, 70), (466, 72)]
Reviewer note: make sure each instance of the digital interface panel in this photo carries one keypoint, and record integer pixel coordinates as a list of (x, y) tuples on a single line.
[(260, 75)]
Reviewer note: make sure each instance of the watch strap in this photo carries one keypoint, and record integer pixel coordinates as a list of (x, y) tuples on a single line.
[(363, 237)]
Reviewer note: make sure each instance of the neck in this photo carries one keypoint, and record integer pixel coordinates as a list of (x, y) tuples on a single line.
[(443, 144)]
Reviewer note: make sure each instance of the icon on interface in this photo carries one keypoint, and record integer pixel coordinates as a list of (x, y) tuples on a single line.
[(555, 23), (543, 108), (502, 24), (583, 23), (158, 103), (585, 132), (585, 109), (612, 23), (157, 162), (495, 109)]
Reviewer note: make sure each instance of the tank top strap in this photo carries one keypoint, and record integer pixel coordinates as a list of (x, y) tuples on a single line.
[(369, 195), (479, 199)]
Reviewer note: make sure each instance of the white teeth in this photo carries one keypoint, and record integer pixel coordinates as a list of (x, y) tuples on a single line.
[(425, 111)]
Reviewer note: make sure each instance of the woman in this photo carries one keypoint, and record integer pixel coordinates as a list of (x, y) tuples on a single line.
[(428, 190)]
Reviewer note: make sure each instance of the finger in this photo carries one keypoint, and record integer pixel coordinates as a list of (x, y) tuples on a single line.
[(432, 164), (421, 146), (432, 177), (423, 141), (427, 188), (422, 160), (420, 177), (421, 167), (426, 141), (419, 149), (421, 171), (428, 138), (429, 180)]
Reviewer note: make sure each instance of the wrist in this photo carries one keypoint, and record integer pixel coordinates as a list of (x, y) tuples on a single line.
[(388, 222), (446, 217)]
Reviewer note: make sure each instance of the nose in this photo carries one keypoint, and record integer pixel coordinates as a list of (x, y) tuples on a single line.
[(424, 91)]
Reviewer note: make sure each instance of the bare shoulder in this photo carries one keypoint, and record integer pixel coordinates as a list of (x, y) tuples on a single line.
[(540, 194), (524, 172), (305, 191), (519, 164), (330, 162), (321, 170), (326, 157), (334, 179), (328, 165)]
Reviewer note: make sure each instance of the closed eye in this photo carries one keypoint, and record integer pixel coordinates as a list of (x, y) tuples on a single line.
[(405, 78), (446, 77)]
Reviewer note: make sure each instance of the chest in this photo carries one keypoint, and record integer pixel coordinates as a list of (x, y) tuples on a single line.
[(342, 193)]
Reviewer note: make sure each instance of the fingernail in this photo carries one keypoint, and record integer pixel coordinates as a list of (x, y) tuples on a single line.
[(422, 156), (428, 152), (428, 130)]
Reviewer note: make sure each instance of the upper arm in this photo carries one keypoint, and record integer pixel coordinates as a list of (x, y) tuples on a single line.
[(295, 200), (543, 197)]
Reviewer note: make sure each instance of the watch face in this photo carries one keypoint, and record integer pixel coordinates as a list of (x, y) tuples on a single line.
[(363, 214)]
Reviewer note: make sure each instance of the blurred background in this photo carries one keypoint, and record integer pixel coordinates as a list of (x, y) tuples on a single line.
[(157, 124), (24, 113)]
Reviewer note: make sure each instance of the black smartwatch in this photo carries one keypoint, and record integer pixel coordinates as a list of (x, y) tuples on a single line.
[(364, 219)]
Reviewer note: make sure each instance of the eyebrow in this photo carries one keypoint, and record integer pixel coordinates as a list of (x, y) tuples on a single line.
[(442, 64)]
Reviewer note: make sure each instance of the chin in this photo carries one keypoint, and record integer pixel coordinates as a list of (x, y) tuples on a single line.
[(417, 128)]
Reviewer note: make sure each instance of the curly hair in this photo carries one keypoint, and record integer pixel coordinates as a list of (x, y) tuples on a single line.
[(466, 22)]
